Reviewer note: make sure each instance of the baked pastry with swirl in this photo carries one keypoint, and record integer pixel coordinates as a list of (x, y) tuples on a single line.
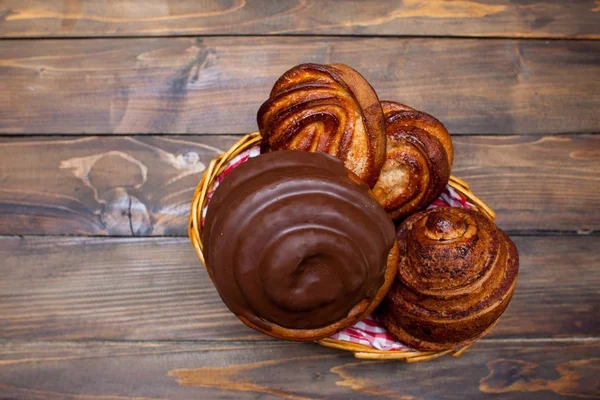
[(457, 274), (297, 246), (418, 160), (330, 109)]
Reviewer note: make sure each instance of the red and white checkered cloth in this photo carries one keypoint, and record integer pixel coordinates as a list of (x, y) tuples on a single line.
[(237, 160), (369, 331)]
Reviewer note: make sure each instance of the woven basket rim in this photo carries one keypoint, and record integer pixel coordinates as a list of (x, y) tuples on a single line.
[(216, 167)]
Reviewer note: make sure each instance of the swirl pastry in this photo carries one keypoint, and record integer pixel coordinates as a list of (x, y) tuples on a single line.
[(457, 274), (330, 109), (418, 160), (296, 245)]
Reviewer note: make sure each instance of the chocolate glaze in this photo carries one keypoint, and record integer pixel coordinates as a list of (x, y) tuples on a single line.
[(291, 239)]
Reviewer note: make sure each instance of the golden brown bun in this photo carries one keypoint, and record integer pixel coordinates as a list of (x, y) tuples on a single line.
[(418, 160), (327, 108), (457, 272)]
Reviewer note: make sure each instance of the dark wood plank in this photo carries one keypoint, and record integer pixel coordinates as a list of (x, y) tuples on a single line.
[(156, 289), (215, 85), (490, 369), (139, 185), (143, 185), (533, 182), (537, 18)]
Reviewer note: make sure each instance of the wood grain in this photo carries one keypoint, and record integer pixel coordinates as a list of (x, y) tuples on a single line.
[(216, 84), (102, 185), (156, 289), (143, 185), (514, 369), (536, 18), (534, 183), (105, 315)]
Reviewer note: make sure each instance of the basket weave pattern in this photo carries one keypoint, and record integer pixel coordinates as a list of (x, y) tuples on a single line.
[(218, 165)]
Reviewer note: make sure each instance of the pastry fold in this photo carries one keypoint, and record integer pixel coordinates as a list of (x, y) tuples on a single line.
[(457, 272), (330, 109), (418, 160)]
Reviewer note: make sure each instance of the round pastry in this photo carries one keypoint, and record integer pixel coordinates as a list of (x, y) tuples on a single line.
[(418, 160), (330, 109), (297, 246), (457, 274)]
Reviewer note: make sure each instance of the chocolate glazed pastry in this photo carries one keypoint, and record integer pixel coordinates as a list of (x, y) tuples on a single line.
[(330, 109), (296, 245), (457, 274), (418, 160)]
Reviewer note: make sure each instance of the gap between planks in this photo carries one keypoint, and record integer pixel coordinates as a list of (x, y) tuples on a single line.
[(237, 134), (260, 342), (316, 36), (516, 233)]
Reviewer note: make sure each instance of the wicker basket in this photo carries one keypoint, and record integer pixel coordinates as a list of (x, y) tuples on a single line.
[(216, 167)]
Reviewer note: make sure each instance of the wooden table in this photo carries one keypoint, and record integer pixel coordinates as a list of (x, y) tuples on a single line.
[(110, 111)]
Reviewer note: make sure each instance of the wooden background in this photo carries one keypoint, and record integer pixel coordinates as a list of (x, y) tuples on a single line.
[(110, 111)]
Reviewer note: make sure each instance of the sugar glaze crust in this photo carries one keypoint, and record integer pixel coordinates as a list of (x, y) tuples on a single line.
[(418, 160), (297, 247), (456, 275), (330, 109)]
